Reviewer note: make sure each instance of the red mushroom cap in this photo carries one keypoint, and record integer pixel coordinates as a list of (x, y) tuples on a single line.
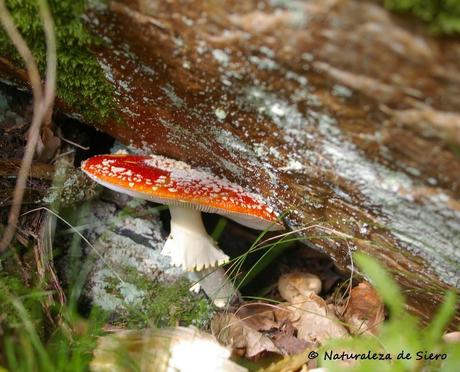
[(174, 182)]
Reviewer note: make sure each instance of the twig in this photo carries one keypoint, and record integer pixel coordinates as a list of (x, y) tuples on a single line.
[(51, 60), (43, 103), (74, 143)]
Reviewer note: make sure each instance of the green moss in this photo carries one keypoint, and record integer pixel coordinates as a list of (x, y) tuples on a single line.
[(442, 15), (81, 83), (11, 289), (163, 303)]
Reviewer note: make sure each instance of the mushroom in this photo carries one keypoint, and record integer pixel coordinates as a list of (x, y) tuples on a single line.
[(187, 192)]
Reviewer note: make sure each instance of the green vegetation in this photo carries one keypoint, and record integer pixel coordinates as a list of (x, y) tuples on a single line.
[(443, 16), (81, 83), (24, 329), (162, 304), (401, 333), (455, 149), (9, 286), (29, 342), (39, 334)]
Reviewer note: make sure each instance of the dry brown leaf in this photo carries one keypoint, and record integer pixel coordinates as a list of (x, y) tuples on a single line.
[(288, 343), (232, 331), (47, 145), (314, 321), (365, 310), (282, 314), (274, 321), (259, 317), (295, 284)]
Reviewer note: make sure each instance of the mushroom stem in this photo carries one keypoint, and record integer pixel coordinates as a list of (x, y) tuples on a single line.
[(216, 285), (188, 244)]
